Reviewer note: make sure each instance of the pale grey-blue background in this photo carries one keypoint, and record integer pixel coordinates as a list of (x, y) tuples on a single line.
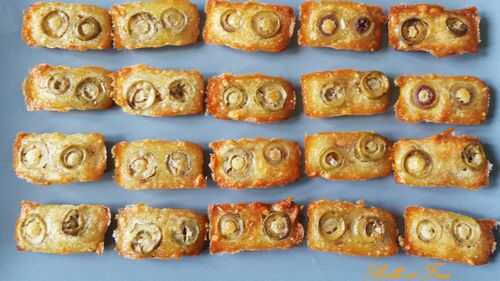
[(16, 59)]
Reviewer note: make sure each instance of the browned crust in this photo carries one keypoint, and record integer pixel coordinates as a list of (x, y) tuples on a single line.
[(467, 44), (275, 44), (482, 252), (448, 114), (253, 238), (215, 91), (363, 44)]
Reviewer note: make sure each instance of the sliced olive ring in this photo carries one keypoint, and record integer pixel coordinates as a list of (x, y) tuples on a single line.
[(73, 156), (91, 90), (414, 30), (375, 84), (58, 84), (142, 167), (370, 228), (274, 153), (178, 163), (424, 97), (266, 24), (34, 155), (277, 225), (141, 95), (174, 20), (473, 156), (185, 232), (457, 26), (180, 90), (334, 94), (331, 159), (88, 28), (237, 162), (142, 26), (466, 231), (34, 229), (271, 96), (370, 147), (55, 24), (146, 238), (73, 222), (231, 226), (328, 24), (362, 25), (332, 226), (417, 163), (230, 20), (462, 94), (428, 230), (234, 97)]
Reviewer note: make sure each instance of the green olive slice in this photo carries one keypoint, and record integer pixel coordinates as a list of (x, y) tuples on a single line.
[(91, 90), (274, 153), (457, 26), (231, 226), (375, 84), (428, 230), (328, 24), (237, 162), (141, 95), (466, 231), (34, 155), (425, 97), (334, 94), (179, 163), (271, 96), (277, 225), (146, 237), (55, 24), (142, 167), (174, 20), (142, 26), (58, 84), (414, 31), (266, 24), (179, 90), (230, 20), (34, 229), (417, 163), (331, 159), (88, 28), (234, 97), (73, 222), (463, 95), (332, 226), (473, 156), (370, 147), (73, 156), (186, 231), (369, 228)]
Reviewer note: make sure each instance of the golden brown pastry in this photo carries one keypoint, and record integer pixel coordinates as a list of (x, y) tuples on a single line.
[(343, 25), (69, 26), (253, 98), (61, 88), (347, 155), (143, 232), (345, 92), (62, 229), (154, 24), (56, 158), (254, 226), (248, 26), (351, 228), (449, 236), (158, 164), (433, 29), (148, 91), (254, 163), (461, 100), (443, 160)]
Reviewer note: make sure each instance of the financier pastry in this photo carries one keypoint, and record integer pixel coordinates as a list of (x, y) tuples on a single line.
[(57, 158), (342, 25), (153, 24), (443, 160), (254, 226), (69, 26), (347, 155), (351, 228), (448, 236), (254, 163), (345, 92), (254, 98), (158, 164), (149, 91), (460, 100), (434, 29), (61, 88), (144, 232), (249, 26), (62, 229)]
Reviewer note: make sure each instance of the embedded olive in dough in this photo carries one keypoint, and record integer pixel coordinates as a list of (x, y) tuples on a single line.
[(146, 238), (414, 30), (231, 226), (277, 225)]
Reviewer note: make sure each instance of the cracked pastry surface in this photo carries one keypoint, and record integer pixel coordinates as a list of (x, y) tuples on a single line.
[(144, 232), (158, 164), (56, 158), (461, 100), (69, 26), (254, 163), (342, 25), (443, 160), (61, 88), (347, 155), (351, 228), (249, 26), (434, 29), (254, 98), (61, 229), (345, 92), (148, 91), (254, 226), (446, 235), (154, 24)]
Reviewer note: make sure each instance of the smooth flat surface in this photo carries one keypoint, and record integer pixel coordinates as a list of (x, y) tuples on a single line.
[(296, 264)]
